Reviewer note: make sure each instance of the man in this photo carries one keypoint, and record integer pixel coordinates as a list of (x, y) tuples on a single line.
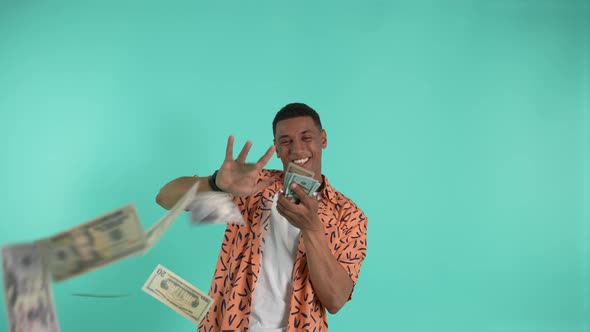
[(291, 260)]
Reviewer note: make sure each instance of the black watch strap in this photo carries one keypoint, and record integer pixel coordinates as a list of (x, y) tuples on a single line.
[(212, 183)]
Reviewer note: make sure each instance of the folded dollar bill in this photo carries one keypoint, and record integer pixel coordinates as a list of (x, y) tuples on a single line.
[(178, 294), (293, 168), (307, 184), (27, 290)]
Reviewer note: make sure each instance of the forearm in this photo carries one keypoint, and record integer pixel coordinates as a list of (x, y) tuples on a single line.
[(330, 281), (173, 190)]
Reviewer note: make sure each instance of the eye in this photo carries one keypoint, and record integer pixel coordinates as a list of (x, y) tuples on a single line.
[(307, 138), (284, 142)]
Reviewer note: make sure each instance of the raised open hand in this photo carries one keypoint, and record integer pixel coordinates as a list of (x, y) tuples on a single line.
[(238, 177)]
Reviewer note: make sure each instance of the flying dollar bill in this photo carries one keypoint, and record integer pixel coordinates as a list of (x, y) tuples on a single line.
[(27, 290), (90, 245), (155, 232), (215, 207), (178, 294)]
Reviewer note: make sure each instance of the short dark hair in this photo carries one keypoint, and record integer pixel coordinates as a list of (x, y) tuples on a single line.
[(294, 110)]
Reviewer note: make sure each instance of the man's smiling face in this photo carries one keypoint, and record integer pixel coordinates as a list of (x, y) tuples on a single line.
[(300, 140)]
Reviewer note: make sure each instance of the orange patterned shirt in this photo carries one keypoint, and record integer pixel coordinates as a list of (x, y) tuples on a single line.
[(239, 260)]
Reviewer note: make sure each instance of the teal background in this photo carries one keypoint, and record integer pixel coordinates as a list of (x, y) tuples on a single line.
[(461, 128)]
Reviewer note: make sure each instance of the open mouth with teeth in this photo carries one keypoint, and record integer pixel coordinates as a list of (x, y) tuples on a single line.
[(301, 162)]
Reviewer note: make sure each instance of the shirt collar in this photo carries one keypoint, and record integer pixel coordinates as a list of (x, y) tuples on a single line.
[(329, 192)]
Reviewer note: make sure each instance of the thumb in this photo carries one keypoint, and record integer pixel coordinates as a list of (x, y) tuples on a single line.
[(301, 194)]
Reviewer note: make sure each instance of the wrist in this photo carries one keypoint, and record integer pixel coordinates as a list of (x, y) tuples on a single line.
[(315, 229), (313, 238)]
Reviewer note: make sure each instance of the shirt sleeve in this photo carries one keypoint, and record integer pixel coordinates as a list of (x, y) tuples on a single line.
[(351, 249)]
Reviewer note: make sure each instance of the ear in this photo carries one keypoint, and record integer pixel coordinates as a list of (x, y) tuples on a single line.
[(324, 139)]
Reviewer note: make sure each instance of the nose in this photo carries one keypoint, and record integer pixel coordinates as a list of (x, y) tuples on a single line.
[(296, 145)]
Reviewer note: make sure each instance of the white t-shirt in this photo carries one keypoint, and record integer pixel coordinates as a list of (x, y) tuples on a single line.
[(272, 295)]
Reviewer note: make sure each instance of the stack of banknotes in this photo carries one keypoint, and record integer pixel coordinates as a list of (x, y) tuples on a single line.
[(29, 268), (301, 176)]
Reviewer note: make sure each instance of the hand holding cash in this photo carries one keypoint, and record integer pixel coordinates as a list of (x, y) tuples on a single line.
[(300, 211)]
